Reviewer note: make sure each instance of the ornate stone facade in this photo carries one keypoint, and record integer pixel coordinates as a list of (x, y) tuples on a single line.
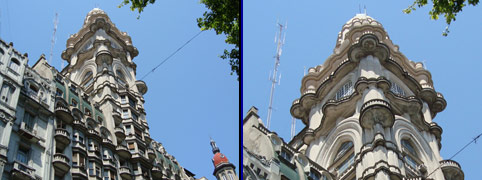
[(85, 122), (368, 114)]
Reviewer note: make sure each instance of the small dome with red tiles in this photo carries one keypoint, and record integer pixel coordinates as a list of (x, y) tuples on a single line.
[(219, 159)]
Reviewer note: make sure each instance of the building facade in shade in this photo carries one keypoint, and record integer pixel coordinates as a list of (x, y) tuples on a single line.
[(84, 122), (368, 113)]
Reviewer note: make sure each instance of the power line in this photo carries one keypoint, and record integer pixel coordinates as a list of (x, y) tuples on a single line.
[(473, 140), (187, 42)]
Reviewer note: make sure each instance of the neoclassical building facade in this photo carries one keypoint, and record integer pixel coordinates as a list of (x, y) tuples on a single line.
[(86, 121), (368, 113)]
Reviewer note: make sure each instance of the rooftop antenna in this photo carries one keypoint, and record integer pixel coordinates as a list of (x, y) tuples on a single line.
[(424, 65), (274, 79), (365, 9), (53, 39), (293, 124)]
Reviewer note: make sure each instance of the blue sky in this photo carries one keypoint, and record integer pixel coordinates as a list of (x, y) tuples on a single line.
[(313, 26), (190, 98)]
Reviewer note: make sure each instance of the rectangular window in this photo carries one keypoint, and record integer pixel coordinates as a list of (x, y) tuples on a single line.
[(135, 117), (131, 147), (14, 65), (132, 103), (136, 169), (106, 175), (138, 133), (22, 154), (91, 168), (128, 129), (74, 159), (28, 119), (7, 92), (81, 161), (125, 113), (123, 99)]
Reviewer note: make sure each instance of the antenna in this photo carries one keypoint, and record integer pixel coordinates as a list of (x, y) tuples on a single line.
[(293, 123), (424, 65), (280, 42), (53, 39)]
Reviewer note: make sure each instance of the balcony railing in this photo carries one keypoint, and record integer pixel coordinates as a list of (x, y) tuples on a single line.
[(125, 172), (62, 136), (28, 132), (22, 171)]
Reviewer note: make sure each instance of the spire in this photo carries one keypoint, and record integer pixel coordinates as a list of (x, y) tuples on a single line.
[(213, 145)]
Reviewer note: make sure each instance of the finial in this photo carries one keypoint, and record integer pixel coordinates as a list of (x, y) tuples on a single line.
[(213, 145)]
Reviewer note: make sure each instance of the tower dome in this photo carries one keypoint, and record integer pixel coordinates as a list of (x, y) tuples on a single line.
[(219, 159), (223, 169)]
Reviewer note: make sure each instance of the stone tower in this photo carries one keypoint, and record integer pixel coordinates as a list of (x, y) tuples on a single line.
[(368, 114), (223, 169)]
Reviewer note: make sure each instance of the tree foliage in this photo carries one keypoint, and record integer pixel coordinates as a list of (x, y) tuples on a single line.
[(447, 8), (137, 4), (223, 17)]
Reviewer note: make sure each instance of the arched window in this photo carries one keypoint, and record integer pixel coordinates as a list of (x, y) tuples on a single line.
[(345, 90), (14, 65), (395, 88), (344, 157), (88, 79), (120, 77), (410, 157)]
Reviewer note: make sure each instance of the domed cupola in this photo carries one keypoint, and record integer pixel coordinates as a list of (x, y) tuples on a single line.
[(223, 169)]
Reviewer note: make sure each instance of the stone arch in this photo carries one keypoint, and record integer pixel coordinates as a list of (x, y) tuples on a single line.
[(403, 129), (88, 66), (117, 65), (346, 130)]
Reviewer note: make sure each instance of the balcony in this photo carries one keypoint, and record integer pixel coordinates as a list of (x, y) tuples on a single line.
[(147, 138), (120, 134), (376, 111), (123, 152), (125, 172), (156, 172), (27, 132), (151, 154), (80, 125), (117, 118), (109, 163), (108, 143), (94, 134), (79, 172), (451, 170), (62, 137), (21, 171), (61, 164), (63, 113)]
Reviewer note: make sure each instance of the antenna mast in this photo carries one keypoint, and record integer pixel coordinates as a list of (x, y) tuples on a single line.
[(53, 39), (293, 123), (274, 79)]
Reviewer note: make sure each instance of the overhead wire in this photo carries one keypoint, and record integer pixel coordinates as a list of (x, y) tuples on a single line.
[(473, 140), (172, 54)]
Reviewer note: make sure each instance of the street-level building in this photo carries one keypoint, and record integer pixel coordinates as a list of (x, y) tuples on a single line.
[(368, 113)]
